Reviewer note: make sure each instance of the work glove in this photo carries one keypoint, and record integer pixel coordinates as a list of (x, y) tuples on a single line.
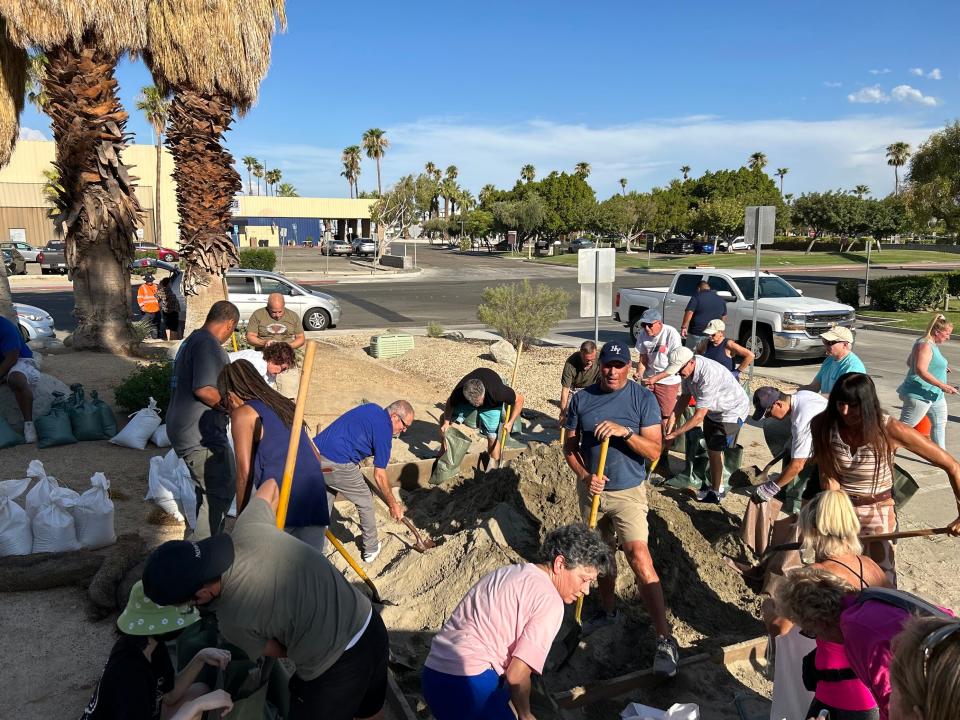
[(765, 492)]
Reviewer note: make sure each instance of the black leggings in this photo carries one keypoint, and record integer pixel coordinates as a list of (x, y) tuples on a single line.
[(816, 706)]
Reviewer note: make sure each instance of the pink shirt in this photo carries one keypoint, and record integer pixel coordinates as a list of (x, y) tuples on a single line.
[(842, 694), (512, 612)]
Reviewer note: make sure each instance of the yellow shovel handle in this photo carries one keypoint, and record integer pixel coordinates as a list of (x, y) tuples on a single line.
[(351, 562)]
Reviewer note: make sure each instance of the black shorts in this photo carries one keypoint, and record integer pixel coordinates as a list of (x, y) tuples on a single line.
[(171, 320), (720, 435), (355, 686)]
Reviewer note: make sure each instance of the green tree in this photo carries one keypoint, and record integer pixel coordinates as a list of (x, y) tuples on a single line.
[(526, 216), (249, 162), (36, 71), (156, 107), (757, 161), (570, 203), (375, 144), (272, 177), (623, 186), (720, 216), (935, 178), (287, 190), (861, 191), (624, 215), (521, 313), (488, 195), (350, 157), (258, 173), (897, 155), (781, 173), (528, 173), (583, 170), (396, 209), (685, 170)]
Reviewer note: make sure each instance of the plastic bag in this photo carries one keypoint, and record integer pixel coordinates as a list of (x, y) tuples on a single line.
[(677, 711), (54, 428), (107, 421), (160, 438), (448, 464), (54, 529), (172, 488), (158, 492), (138, 431), (94, 514), (84, 417), (16, 537), (8, 436), (790, 698), (39, 494)]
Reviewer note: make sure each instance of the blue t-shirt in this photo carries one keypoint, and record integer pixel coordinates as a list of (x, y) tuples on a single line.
[(632, 406), (357, 434), (706, 306), (10, 339), (831, 370)]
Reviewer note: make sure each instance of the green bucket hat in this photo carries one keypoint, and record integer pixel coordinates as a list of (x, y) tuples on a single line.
[(144, 617)]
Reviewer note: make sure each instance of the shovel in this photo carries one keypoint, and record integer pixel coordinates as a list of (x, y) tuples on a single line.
[(513, 385), (919, 532), (753, 475)]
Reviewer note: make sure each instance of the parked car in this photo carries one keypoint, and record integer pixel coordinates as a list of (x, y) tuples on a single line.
[(248, 290), (33, 322), (581, 244), (544, 244), (788, 324), (675, 246), (363, 246), (29, 252), (339, 247), (739, 243), (14, 262), (163, 253), (53, 258), (701, 247)]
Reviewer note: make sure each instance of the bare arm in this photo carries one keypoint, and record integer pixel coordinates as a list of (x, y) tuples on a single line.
[(647, 442), (209, 396), (255, 339), (693, 422), (922, 368), (208, 656), (9, 360), (386, 492), (571, 453), (515, 410), (685, 323), (299, 340), (564, 399), (242, 423), (905, 436), (790, 472), (745, 354), (518, 679), (270, 492)]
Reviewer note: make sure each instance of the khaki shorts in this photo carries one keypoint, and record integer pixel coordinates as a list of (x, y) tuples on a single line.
[(623, 513)]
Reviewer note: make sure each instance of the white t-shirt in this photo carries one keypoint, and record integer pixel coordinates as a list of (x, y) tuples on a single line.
[(655, 352), (804, 406), (715, 388), (255, 358)]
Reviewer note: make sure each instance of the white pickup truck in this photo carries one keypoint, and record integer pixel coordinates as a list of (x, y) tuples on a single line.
[(788, 324)]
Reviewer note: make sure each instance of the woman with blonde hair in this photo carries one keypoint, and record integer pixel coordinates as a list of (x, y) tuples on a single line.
[(925, 672), (924, 389)]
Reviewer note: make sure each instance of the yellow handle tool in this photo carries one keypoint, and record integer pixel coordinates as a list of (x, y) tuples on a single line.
[(355, 565), (594, 509)]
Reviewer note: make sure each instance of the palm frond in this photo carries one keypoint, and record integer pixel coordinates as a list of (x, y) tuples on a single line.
[(13, 79), (118, 25)]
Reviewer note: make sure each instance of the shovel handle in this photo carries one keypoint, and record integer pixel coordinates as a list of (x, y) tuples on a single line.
[(289, 466), (920, 532), (601, 466), (353, 563)]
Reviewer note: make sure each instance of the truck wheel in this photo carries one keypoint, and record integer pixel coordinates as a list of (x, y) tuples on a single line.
[(764, 351), (635, 328)]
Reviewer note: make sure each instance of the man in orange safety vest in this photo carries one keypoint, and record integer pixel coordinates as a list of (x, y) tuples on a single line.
[(149, 305)]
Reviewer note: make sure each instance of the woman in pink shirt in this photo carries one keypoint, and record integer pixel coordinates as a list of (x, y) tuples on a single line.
[(502, 630)]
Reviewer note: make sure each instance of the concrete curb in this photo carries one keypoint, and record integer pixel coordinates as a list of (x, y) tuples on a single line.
[(895, 330), (772, 268)]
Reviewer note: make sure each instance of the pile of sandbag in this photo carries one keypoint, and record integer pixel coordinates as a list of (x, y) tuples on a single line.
[(54, 518), (142, 426), (73, 418), (170, 486)]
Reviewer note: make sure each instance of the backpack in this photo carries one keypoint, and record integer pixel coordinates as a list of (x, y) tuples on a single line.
[(908, 602)]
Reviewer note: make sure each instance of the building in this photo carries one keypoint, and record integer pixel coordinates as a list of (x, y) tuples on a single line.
[(259, 220)]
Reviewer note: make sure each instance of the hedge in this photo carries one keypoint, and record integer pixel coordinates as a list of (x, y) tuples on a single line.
[(910, 293), (258, 258), (848, 292)]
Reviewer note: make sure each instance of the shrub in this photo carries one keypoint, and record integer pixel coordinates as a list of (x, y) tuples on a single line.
[(848, 292), (258, 258), (522, 313), (147, 381), (465, 244), (434, 329), (908, 293)]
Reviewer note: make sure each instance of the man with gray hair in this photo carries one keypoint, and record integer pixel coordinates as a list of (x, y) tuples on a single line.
[(366, 430), (484, 391)]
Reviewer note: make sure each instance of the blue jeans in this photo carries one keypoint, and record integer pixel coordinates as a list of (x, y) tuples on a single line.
[(466, 697), (915, 409)]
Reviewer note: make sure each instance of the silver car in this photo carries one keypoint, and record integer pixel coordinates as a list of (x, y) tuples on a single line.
[(363, 246), (28, 251), (33, 322)]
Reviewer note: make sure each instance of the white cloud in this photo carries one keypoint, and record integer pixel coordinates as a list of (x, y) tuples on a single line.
[(27, 133), (884, 71), (935, 74), (905, 93), (872, 94), (831, 84), (916, 71)]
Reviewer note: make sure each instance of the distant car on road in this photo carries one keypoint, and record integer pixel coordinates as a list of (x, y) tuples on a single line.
[(53, 258), (163, 253), (14, 262), (581, 244), (33, 322), (363, 246), (29, 252), (339, 247), (675, 246)]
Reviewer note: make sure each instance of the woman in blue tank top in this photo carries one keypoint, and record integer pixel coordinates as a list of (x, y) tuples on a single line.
[(924, 389), (261, 455), (721, 349)]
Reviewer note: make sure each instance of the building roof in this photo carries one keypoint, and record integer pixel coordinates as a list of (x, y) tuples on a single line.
[(293, 207)]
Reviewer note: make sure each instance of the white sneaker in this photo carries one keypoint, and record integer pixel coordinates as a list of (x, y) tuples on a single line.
[(29, 432), (370, 555)]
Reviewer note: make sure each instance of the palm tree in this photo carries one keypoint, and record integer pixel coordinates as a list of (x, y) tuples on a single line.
[(156, 107), (788, 198), (375, 143), (272, 177), (528, 173), (98, 205), (258, 173), (249, 162), (582, 169), (190, 44), (780, 174), (861, 190), (36, 69), (287, 190), (350, 157), (757, 161), (486, 194), (897, 154), (685, 169), (623, 186)]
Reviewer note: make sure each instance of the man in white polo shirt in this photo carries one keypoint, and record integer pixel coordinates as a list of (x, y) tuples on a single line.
[(722, 406), (655, 342)]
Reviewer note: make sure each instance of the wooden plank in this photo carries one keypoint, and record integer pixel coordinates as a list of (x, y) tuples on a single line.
[(397, 700), (747, 651), (416, 473)]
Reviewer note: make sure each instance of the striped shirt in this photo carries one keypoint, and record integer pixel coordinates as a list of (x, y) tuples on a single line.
[(857, 469)]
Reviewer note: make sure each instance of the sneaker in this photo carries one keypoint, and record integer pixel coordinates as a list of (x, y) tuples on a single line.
[(665, 661), (370, 555), (709, 495), (29, 432), (601, 618)]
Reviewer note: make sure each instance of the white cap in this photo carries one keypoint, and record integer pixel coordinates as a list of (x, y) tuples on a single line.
[(838, 332), (715, 326), (678, 358)]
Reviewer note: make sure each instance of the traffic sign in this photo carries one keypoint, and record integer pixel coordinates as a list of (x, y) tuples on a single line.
[(759, 222), (596, 266)]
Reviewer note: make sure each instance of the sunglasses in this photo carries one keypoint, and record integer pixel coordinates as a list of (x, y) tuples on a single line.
[(403, 424), (931, 641), (831, 343), (647, 325)]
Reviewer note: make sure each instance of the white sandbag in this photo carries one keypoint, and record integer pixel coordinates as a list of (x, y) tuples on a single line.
[(158, 491), (160, 437), (790, 698), (39, 494), (137, 432), (54, 529), (16, 536), (93, 514), (186, 492)]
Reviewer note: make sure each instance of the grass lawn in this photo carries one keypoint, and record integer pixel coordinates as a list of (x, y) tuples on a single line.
[(770, 260), (912, 320)]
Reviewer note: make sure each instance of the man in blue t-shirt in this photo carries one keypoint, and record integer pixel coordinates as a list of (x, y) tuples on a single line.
[(838, 343), (366, 430), (628, 414), (19, 370), (703, 307)]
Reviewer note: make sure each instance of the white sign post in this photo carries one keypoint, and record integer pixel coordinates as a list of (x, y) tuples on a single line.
[(596, 271), (759, 222), (415, 231)]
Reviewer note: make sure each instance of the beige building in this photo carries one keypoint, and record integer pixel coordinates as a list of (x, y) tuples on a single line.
[(259, 220)]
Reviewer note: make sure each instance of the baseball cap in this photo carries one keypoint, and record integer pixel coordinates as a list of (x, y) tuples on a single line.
[(614, 351), (142, 616), (714, 326), (678, 358), (651, 316), (178, 568), (838, 332), (148, 278), (763, 400)]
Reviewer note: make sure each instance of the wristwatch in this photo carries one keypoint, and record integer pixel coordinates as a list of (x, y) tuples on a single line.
[(628, 435)]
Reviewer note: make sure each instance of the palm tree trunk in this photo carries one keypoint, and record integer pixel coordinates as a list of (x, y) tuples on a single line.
[(6, 297), (249, 181), (446, 217), (156, 201), (896, 180), (206, 184), (379, 189), (98, 206)]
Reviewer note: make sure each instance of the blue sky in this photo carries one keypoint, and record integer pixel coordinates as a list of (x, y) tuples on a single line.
[(636, 89)]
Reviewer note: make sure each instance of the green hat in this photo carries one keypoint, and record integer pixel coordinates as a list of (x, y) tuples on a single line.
[(145, 617)]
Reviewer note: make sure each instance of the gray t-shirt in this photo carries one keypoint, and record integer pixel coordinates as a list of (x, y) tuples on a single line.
[(191, 425), (279, 587)]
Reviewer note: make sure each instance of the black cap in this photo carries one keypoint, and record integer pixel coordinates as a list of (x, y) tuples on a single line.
[(763, 400), (177, 569)]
